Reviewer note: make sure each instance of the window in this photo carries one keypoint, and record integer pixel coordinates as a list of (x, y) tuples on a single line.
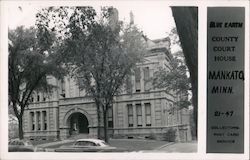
[(62, 87), (137, 80), (146, 78), (146, 73), (128, 85), (139, 115), (38, 98), (130, 115), (32, 121), (171, 109), (39, 120), (45, 120), (148, 114), (110, 117)]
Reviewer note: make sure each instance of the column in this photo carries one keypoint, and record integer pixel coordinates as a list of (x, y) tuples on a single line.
[(134, 116), (48, 119), (152, 113), (143, 115), (36, 121), (167, 116), (30, 121), (115, 115), (125, 116), (142, 81), (162, 113), (39, 120), (55, 115)]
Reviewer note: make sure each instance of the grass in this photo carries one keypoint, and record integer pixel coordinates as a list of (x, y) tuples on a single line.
[(136, 145), (129, 144)]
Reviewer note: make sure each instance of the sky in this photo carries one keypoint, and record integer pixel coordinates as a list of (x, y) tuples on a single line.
[(155, 21)]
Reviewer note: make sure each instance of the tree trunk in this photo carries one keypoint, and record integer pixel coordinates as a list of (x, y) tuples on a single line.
[(186, 19), (20, 126), (98, 121), (105, 125)]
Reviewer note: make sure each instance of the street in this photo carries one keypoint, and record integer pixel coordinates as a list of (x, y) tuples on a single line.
[(138, 145)]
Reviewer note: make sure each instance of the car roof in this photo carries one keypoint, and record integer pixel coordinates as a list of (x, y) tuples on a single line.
[(91, 140)]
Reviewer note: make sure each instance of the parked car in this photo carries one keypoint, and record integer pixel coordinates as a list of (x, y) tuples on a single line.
[(89, 145), (17, 145)]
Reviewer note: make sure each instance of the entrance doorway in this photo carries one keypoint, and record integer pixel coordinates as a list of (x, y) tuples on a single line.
[(78, 124)]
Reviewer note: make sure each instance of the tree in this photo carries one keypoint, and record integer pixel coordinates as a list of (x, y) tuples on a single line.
[(99, 51), (29, 65), (186, 19), (175, 80)]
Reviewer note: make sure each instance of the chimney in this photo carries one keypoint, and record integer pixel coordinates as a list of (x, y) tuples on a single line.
[(131, 17), (114, 18)]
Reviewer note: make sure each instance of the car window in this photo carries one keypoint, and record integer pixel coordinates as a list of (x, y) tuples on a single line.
[(20, 143), (77, 143), (85, 143), (81, 143), (14, 143), (91, 144)]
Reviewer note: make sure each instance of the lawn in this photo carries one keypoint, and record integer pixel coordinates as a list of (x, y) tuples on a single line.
[(130, 144), (136, 144)]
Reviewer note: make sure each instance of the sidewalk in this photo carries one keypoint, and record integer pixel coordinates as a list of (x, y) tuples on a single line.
[(188, 147)]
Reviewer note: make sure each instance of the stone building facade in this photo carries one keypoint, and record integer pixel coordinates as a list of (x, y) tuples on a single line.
[(142, 112)]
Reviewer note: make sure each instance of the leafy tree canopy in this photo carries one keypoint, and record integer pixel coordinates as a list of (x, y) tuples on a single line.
[(176, 79), (99, 51), (30, 64)]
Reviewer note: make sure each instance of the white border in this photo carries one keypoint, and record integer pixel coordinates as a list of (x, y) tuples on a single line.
[(202, 61)]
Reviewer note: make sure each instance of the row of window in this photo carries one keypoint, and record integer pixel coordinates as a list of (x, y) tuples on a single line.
[(38, 120), (146, 74), (129, 83), (38, 99), (138, 110), (138, 79)]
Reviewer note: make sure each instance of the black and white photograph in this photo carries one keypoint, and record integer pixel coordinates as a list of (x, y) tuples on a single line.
[(121, 79), (102, 79)]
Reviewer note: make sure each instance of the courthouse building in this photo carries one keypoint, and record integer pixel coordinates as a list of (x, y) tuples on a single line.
[(139, 113)]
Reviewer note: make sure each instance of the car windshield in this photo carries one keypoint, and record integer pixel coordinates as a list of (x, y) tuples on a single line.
[(103, 143), (28, 143), (16, 143)]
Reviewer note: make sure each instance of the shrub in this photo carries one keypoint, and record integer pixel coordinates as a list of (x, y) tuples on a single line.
[(170, 135), (152, 136)]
